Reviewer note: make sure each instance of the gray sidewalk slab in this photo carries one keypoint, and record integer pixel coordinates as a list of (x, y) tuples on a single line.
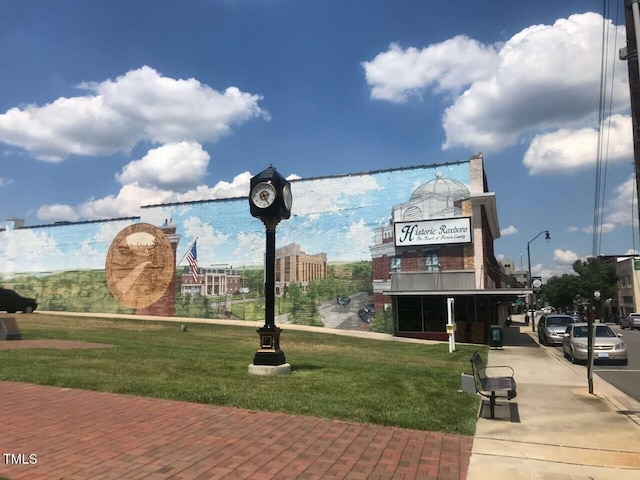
[(554, 429)]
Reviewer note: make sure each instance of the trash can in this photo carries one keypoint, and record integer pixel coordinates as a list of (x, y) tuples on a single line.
[(495, 336)]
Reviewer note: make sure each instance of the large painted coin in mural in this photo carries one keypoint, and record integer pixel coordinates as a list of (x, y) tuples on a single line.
[(140, 265)]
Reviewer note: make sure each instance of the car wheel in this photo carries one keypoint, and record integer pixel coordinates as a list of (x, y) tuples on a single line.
[(28, 310), (572, 356), (540, 340)]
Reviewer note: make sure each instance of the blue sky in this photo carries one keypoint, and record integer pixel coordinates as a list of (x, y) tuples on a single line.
[(107, 106)]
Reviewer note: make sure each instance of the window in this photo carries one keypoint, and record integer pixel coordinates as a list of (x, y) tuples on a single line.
[(431, 262), (396, 264)]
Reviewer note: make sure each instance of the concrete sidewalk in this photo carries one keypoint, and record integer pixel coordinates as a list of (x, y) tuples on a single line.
[(555, 429)]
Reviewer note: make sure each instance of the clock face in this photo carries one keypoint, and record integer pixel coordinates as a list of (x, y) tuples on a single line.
[(286, 193), (263, 195), (537, 283)]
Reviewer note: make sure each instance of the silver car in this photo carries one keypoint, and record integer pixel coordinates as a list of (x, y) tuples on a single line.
[(631, 321), (552, 327), (607, 345)]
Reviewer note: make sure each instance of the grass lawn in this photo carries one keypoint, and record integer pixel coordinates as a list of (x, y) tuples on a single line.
[(382, 382)]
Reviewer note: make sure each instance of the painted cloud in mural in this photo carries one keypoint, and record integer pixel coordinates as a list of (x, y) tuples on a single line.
[(332, 215)]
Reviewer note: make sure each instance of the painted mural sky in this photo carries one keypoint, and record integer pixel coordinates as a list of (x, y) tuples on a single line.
[(106, 107), (336, 216)]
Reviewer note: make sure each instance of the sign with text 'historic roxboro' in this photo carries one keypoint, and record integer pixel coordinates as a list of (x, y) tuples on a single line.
[(433, 232)]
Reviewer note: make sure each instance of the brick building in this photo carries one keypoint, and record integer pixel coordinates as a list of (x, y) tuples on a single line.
[(439, 245)]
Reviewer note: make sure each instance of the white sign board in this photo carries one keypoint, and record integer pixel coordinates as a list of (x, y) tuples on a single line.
[(433, 232)]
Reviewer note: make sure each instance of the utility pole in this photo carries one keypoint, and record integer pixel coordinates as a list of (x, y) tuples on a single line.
[(630, 54)]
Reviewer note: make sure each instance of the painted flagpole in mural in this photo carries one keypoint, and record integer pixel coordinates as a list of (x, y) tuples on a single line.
[(192, 259)]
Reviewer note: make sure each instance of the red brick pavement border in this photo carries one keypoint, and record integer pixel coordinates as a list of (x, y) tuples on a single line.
[(84, 435)]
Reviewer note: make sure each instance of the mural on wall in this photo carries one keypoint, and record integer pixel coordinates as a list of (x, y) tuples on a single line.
[(140, 265), (335, 217)]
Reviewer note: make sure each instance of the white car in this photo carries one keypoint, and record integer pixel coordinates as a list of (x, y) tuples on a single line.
[(607, 345), (631, 321)]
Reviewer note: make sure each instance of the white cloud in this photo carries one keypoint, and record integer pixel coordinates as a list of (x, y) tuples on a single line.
[(526, 93), (172, 166), (5, 181), (398, 73), (572, 229), (129, 200), (544, 78), (238, 187), (604, 228), (565, 257), (510, 230), (115, 115), (623, 207), (566, 151), (126, 203), (58, 212)]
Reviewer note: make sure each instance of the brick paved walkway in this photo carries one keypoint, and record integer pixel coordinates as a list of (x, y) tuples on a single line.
[(77, 434)]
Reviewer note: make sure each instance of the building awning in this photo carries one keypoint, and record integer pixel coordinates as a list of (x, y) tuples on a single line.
[(451, 283), (506, 292)]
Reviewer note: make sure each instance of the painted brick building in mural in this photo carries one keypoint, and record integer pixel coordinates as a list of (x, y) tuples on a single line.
[(211, 282), (295, 265)]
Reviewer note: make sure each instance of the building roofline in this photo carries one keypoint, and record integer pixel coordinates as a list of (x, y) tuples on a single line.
[(323, 177), (66, 224)]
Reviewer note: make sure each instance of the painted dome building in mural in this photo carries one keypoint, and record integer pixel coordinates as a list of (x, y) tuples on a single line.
[(439, 245)]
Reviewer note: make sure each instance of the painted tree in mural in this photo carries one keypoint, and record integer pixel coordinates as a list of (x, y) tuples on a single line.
[(303, 307)]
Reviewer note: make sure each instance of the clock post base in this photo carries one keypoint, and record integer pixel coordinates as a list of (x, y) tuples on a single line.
[(269, 354)]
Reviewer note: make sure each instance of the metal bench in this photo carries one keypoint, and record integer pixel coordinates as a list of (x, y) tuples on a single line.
[(492, 387)]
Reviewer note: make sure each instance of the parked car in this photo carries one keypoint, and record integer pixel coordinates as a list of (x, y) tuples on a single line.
[(607, 345), (631, 321), (552, 327), (12, 302)]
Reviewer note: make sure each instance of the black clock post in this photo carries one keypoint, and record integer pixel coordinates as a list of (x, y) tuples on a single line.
[(270, 201)]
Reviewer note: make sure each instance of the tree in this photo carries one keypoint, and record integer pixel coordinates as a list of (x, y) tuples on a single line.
[(596, 274), (561, 291)]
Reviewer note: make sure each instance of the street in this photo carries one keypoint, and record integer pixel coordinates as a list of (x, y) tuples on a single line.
[(625, 378)]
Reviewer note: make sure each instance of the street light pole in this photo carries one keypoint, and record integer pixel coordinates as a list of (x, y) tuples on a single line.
[(547, 238)]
